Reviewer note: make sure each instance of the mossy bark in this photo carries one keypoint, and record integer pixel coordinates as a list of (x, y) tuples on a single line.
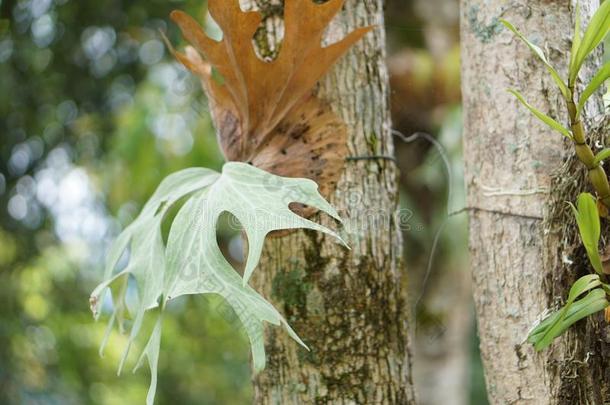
[(347, 305), (519, 174)]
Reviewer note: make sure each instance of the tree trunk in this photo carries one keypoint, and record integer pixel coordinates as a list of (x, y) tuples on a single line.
[(512, 162), (345, 304)]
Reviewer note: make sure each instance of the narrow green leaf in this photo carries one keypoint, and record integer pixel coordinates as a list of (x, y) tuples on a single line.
[(596, 82), (594, 302), (587, 217), (602, 155), (557, 323), (536, 49), (596, 32), (583, 285), (551, 323), (542, 117), (577, 39)]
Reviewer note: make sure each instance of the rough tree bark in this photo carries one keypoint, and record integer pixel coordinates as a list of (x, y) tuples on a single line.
[(511, 165), (345, 304)]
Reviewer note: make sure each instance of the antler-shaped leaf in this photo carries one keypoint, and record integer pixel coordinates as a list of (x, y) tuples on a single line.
[(192, 262)]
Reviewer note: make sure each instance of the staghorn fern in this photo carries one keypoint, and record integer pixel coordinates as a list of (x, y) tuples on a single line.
[(191, 262)]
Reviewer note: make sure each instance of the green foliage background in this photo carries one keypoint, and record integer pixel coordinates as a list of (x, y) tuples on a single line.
[(90, 99)]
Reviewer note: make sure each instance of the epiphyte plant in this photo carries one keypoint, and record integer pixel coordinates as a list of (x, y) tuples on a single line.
[(284, 146), (582, 47), (596, 298), (588, 207)]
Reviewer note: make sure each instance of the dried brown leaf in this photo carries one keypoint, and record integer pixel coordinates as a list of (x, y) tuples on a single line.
[(265, 112)]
